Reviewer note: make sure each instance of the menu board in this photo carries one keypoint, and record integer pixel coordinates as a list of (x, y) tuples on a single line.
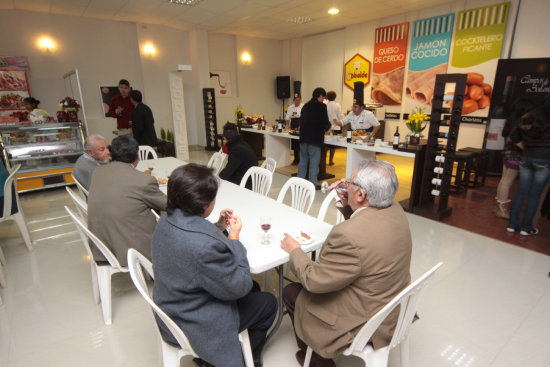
[(390, 50), (477, 47), (429, 55)]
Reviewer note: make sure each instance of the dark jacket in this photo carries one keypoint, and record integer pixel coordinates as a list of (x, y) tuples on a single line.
[(241, 158), (534, 131), (314, 122), (199, 276), (143, 125)]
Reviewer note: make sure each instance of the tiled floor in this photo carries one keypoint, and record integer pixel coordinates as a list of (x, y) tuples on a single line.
[(488, 305)]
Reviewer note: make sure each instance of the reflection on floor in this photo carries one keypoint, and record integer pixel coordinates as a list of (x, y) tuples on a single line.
[(488, 305)]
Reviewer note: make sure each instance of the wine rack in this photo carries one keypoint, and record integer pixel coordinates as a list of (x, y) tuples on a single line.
[(210, 122), (441, 146)]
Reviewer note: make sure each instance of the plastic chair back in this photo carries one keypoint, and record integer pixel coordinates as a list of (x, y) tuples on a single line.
[(157, 217), (136, 263), (83, 228), (331, 196), (81, 188), (261, 179), (408, 300), (216, 162), (9, 185), (269, 164), (80, 204), (303, 193), (144, 151)]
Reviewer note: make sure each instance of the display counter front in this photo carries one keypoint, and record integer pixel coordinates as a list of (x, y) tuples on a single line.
[(46, 152)]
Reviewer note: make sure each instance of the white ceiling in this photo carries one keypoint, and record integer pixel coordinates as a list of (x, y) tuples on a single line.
[(255, 18)]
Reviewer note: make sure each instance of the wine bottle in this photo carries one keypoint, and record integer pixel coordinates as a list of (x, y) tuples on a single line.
[(435, 192), (449, 147), (396, 138), (279, 127), (348, 138), (440, 158), (446, 135), (438, 170), (436, 181)]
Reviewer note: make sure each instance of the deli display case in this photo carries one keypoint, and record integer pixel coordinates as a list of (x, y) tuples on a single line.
[(46, 152)]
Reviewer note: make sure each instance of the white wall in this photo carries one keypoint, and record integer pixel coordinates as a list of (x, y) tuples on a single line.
[(254, 84)]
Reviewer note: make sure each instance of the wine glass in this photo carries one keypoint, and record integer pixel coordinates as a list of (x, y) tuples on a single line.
[(325, 187), (342, 189), (265, 223)]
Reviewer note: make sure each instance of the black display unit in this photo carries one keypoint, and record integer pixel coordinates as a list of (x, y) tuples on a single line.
[(210, 121)]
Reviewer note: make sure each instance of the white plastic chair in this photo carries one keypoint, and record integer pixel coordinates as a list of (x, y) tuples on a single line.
[(216, 162), (171, 356), (303, 193), (269, 164), (331, 196), (9, 186), (81, 205), (144, 151), (81, 188), (408, 300), (101, 274), (3, 282), (261, 179)]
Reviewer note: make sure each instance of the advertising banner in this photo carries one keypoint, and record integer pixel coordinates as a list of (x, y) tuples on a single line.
[(14, 63), (428, 56), (477, 47), (356, 69), (390, 52)]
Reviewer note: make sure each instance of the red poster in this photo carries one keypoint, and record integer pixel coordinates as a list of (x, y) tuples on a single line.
[(390, 55)]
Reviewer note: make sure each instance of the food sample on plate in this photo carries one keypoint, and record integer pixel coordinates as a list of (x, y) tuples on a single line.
[(148, 171), (303, 238), (162, 181), (359, 133)]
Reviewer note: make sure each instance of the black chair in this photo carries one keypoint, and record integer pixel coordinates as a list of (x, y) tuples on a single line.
[(463, 171), (479, 166)]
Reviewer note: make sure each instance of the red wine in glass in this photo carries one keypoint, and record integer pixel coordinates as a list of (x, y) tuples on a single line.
[(265, 224), (266, 227)]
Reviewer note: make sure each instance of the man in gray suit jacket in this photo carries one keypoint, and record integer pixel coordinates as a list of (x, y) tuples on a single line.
[(364, 263), (97, 152), (120, 202)]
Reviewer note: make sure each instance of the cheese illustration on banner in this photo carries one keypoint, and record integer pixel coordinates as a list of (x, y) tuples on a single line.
[(428, 56), (477, 47), (390, 50)]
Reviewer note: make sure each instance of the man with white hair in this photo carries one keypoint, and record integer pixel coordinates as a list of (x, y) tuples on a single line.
[(364, 263), (97, 152)]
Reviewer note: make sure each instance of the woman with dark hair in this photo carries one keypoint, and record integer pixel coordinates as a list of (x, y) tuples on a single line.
[(532, 135), (35, 114), (202, 277), (511, 155), (241, 156)]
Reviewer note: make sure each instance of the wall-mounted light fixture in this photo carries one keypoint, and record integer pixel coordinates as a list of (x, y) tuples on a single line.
[(46, 43), (246, 58), (333, 11), (149, 50)]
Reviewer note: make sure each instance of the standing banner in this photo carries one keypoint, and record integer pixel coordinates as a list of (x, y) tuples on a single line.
[(428, 56), (477, 47), (390, 52)]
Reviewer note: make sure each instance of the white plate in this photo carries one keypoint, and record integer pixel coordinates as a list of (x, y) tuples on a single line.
[(302, 240)]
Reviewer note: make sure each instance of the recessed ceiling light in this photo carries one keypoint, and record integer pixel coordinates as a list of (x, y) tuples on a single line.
[(185, 2), (300, 19), (334, 11)]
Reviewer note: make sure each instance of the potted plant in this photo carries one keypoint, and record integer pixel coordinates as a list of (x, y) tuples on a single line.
[(416, 123), (239, 114), (165, 146)]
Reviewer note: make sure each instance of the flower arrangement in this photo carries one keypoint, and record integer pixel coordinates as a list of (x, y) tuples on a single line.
[(239, 113), (69, 102), (416, 123)]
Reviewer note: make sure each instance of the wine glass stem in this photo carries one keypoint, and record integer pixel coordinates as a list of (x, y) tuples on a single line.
[(266, 239)]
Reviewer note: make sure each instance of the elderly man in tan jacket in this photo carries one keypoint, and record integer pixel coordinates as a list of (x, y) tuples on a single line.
[(363, 264)]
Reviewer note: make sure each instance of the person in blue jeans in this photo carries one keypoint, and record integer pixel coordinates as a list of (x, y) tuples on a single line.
[(313, 125), (532, 135)]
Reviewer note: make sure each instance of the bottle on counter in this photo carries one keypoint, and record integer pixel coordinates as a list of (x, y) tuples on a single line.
[(279, 127), (396, 138), (348, 136)]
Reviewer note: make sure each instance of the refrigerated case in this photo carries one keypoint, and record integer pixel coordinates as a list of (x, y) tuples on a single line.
[(46, 152)]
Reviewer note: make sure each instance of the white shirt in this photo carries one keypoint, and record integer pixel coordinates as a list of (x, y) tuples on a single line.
[(334, 111), (294, 112), (363, 121)]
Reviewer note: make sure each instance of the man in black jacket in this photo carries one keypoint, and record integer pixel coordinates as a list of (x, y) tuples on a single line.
[(314, 123), (143, 123), (241, 156)]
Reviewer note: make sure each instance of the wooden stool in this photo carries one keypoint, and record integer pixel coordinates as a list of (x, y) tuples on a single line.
[(463, 171), (479, 166)]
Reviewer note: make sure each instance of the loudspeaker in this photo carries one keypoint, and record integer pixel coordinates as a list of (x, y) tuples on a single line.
[(283, 87)]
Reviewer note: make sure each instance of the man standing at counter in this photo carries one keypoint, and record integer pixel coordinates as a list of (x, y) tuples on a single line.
[(314, 122), (293, 121), (122, 108), (359, 118)]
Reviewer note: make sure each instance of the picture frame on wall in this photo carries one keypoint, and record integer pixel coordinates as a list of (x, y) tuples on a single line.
[(221, 81), (107, 94)]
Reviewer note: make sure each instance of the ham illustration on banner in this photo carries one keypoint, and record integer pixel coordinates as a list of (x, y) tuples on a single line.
[(390, 49)]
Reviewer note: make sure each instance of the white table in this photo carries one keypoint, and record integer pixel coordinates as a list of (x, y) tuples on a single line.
[(250, 206), (277, 146)]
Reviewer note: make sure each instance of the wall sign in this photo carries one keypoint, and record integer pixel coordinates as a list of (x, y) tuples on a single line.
[(356, 69)]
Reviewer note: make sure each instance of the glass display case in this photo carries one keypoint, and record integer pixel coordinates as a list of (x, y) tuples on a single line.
[(46, 152)]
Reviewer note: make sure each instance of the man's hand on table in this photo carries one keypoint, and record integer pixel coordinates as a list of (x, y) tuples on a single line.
[(289, 243)]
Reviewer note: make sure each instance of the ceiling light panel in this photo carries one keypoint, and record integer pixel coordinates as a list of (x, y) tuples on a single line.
[(300, 19), (185, 2)]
